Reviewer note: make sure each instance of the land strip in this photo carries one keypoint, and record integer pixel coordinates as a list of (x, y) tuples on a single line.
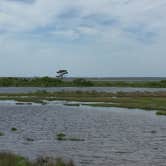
[(77, 82), (141, 100)]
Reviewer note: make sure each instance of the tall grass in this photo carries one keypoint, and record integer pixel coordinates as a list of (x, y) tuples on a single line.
[(9, 159)]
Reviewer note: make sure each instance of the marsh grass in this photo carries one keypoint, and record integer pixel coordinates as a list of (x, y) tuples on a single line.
[(9, 159), (161, 113), (146, 103), (13, 129), (141, 100), (72, 104), (63, 137), (1, 134), (81, 82)]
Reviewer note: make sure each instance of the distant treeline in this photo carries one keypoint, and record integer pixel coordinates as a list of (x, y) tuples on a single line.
[(80, 82), (41, 82)]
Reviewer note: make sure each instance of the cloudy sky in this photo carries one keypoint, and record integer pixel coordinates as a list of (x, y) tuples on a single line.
[(86, 37)]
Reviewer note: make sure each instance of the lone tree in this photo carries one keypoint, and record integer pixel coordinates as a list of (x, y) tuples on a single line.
[(61, 73)]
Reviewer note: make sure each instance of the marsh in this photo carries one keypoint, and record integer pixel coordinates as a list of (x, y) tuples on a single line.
[(111, 136)]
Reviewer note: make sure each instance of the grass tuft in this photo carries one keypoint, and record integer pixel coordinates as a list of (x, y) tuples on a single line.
[(1, 134), (161, 113), (72, 104), (13, 129), (62, 137), (9, 159), (140, 100)]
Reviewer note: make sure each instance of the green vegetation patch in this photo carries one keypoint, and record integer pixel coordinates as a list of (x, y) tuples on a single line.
[(8, 159), (146, 103), (140, 100), (72, 104), (63, 137), (82, 82), (1, 134), (13, 129), (79, 82), (161, 113)]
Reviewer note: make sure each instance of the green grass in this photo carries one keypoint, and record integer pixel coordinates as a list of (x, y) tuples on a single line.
[(8, 159), (79, 82), (161, 113), (146, 103), (141, 100), (1, 134), (63, 137), (13, 129)]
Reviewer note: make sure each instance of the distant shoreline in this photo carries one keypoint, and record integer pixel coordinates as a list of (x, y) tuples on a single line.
[(157, 82), (133, 79)]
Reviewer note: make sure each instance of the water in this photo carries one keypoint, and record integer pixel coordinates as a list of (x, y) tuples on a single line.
[(113, 136), (60, 89)]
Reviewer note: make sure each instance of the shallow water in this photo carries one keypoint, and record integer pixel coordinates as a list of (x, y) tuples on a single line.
[(113, 136), (59, 89)]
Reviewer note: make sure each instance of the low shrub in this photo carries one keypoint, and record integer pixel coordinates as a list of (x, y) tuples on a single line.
[(1, 134), (13, 129), (161, 113), (62, 137), (9, 159), (82, 82)]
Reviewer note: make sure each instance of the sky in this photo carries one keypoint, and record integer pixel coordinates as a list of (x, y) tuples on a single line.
[(89, 38)]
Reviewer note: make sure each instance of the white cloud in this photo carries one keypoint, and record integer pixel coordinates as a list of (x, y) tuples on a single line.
[(129, 31), (16, 16), (70, 34), (87, 30)]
